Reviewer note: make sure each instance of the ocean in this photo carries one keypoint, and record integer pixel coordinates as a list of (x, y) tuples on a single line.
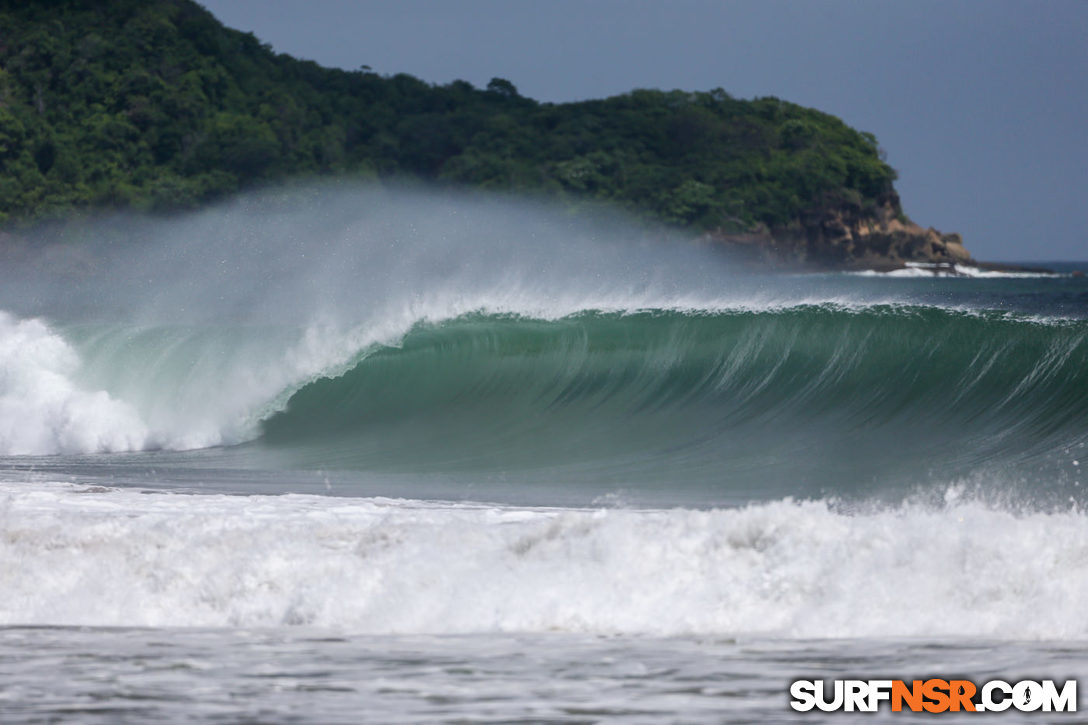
[(338, 455)]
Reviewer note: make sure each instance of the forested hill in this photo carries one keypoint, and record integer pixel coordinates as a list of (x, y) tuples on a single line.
[(153, 104)]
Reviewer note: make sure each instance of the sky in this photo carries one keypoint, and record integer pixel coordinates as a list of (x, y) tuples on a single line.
[(981, 105)]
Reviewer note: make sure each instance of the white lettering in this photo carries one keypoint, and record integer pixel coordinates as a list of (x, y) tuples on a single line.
[(878, 690), (804, 695), (1064, 701), (821, 699), (1027, 696), (988, 701)]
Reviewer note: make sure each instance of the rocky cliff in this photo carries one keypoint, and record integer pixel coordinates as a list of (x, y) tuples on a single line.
[(846, 236)]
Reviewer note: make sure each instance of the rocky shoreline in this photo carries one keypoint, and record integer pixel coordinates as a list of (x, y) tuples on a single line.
[(848, 238)]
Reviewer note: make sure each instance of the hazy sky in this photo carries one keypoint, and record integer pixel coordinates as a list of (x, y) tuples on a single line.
[(981, 105)]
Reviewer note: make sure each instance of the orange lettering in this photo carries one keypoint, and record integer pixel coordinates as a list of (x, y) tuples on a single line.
[(935, 691), (912, 695), (961, 692)]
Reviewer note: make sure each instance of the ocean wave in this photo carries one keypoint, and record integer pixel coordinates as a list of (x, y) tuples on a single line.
[(101, 557), (718, 394)]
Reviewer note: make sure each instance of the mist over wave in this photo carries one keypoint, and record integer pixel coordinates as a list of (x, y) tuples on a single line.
[(194, 328), (200, 325)]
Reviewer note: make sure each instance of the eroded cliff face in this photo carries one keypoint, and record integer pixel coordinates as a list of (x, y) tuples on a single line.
[(846, 236)]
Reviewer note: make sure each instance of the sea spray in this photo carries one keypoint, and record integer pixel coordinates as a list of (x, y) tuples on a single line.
[(203, 324)]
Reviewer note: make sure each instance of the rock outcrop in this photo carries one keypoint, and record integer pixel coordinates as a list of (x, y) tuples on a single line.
[(845, 236)]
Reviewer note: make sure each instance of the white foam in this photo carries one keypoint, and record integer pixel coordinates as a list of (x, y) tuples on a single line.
[(923, 269), (902, 272), (785, 568), (969, 271), (42, 410)]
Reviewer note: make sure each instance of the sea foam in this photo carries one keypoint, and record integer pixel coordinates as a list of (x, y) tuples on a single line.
[(102, 557)]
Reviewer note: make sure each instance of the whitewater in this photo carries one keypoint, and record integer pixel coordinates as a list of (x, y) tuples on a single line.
[(338, 451)]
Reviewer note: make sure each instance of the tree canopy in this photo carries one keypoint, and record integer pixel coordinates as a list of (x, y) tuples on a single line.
[(153, 104)]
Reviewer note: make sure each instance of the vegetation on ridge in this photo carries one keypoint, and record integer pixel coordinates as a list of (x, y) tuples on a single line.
[(156, 105)]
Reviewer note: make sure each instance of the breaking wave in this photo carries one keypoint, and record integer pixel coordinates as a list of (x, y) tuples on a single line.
[(858, 392), (787, 568)]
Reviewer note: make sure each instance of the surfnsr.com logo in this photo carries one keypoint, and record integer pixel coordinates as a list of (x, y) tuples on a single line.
[(933, 695)]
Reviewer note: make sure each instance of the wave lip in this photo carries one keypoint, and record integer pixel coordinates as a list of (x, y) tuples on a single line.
[(780, 569)]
